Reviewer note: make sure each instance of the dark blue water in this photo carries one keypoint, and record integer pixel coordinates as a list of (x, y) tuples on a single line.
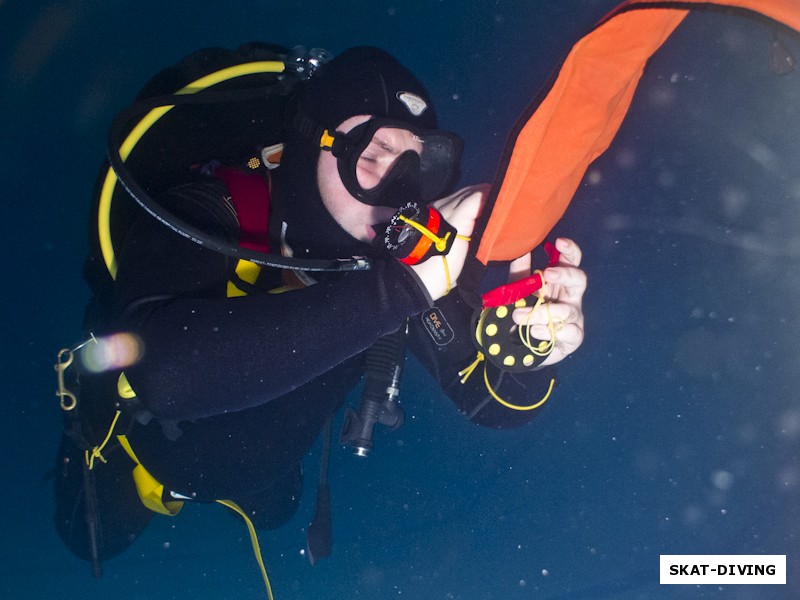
[(676, 427)]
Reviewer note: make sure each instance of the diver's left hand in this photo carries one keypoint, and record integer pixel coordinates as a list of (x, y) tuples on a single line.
[(460, 209), (565, 285)]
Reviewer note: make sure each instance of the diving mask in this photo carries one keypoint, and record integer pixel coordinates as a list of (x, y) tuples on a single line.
[(385, 162)]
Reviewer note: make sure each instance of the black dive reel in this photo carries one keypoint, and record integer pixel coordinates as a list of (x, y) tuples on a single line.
[(383, 366)]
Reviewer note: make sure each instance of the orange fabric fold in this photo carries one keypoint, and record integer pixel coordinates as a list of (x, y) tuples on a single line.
[(580, 115)]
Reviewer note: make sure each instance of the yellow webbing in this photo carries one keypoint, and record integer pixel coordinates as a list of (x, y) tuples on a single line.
[(248, 272), (151, 494), (150, 490), (253, 540), (124, 389)]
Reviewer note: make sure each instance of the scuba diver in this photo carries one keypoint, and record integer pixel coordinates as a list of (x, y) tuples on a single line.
[(233, 368)]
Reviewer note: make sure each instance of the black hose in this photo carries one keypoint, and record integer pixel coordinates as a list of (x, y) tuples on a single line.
[(92, 517), (319, 537), (148, 203)]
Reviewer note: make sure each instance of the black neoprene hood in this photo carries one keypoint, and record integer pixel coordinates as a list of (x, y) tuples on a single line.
[(360, 81), (367, 81)]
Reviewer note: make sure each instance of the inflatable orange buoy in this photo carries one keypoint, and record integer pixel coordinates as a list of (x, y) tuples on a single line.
[(575, 118)]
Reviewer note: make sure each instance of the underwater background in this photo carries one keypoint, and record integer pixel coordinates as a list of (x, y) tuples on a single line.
[(675, 428)]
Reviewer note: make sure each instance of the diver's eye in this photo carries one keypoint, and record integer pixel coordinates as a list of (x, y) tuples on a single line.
[(377, 149), (385, 147), (368, 159)]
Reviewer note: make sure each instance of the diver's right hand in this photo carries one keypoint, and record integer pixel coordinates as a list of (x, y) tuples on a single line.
[(460, 209)]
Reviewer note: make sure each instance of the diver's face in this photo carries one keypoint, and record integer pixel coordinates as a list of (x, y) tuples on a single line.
[(355, 217)]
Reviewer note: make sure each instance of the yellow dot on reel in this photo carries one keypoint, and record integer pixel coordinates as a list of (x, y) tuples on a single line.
[(509, 361), (501, 312), (491, 329), (528, 360), (494, 349), (520, 303)]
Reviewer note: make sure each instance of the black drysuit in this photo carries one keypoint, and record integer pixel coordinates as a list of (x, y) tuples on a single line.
[(240, 388)]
